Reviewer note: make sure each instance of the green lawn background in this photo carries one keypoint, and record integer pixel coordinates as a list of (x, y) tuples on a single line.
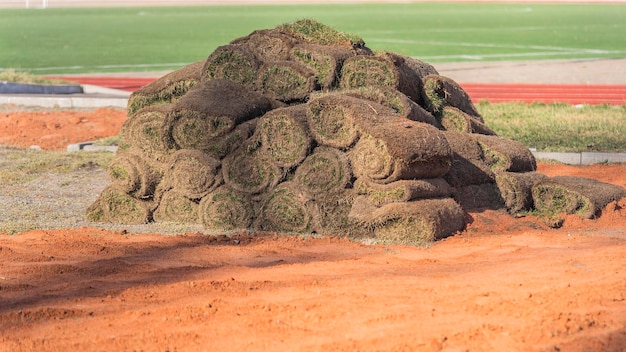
[(79, 40)]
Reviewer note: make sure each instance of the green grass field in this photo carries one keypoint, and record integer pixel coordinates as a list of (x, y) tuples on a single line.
[(121, 39)]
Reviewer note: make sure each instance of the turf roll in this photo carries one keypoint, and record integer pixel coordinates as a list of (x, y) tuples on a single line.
[(313, 32), (286, 81), (249, 170), (167, 88), (326, 171), (331, 213), (453, 119), (116, 206), (396, 100), (192, 173), (468, 165), (268, 44), (400, 149), (175, 206), (284, 135), (574, 195), (440, 91), (233, 62), (383, 69), (211, 109), (226, 209), (479, 197), (144, 130), (324, 60), (417, 222), (516, 189), (403, 190), (331, 120), (219, 147), (286, 209), (502, 154), (132, 173)]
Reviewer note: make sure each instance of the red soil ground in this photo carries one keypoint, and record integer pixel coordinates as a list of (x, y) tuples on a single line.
[(505, 284)]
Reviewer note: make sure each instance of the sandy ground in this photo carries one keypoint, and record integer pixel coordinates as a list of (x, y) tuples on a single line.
[(502, 284)]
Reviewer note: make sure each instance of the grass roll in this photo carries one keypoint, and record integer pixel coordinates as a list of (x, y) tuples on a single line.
[(479, 197), (574, 195), (268, 44), (324, 60), (516, 189), (175, 206), (417, 222), (326, 171), (284, 135), (144, 130), (403, 190), (221, 146), (401, 149), (440, 91), (286, 209), (250, 171), (468, 165), (286, 81), (167, 88), (453, 119), (332, 120), (116, 206), (132, 173), (211, 109), (503, 154), (396, 100), (192, 173), (383, 69), (226, 209), (233, 62)]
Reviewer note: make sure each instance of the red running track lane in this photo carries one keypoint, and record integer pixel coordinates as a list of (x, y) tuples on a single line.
[(495, 93)]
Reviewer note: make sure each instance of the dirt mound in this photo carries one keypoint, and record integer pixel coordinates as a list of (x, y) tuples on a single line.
[(324, 106)]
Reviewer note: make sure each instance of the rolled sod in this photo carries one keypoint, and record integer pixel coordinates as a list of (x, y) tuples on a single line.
[(332, 120), (233, 62), (175, 206), (226, 209), (284, 135), (574, 195), (251, 171), (468, 165), (502, 154), (331, 212), (453, 119), (286, 209), (268, 44), (440, 91), (516, 189), (383, 69), (416, 222), (401, 149), (116, 206), (220, 147), (324, 60), (286, 81), (396, 100), (192, 173), (144, 130), (167, 88), (132, 173), (479, 197), (403, 190), (211, 109), (326, 171), (314, 32)]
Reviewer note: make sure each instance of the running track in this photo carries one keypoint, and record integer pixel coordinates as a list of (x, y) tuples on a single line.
[(495, 93)]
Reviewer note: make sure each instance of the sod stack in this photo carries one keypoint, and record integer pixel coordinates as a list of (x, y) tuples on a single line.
[(303, 129)]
